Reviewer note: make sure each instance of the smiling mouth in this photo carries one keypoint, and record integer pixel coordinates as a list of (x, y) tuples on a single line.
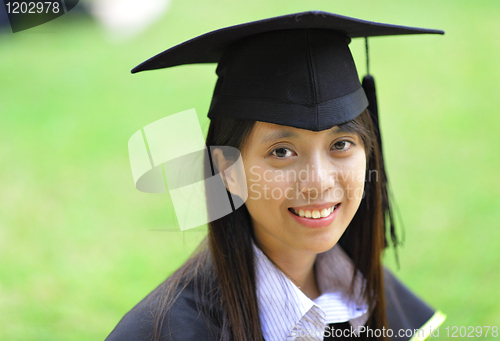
[(314, 214)]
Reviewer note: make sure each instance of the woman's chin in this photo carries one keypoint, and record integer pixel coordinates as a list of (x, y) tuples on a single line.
[(319, 244)]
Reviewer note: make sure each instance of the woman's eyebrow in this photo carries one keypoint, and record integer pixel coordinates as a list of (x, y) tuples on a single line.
[(279, 134), (342, 129)]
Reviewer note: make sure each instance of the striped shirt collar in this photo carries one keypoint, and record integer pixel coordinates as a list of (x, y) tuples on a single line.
[(284, 309)]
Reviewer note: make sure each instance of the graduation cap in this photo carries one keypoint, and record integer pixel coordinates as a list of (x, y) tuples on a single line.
[(294, 70)]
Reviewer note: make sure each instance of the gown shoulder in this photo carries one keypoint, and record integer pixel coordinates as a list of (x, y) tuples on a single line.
[(183, 322), (406, 311)]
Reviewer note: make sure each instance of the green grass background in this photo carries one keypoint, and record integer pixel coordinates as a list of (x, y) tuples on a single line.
[(80, 246)]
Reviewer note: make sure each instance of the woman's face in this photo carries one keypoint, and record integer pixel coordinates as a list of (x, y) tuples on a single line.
[(304, 187)]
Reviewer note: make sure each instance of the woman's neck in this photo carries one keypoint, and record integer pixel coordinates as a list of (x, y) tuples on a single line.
[(299, 268)]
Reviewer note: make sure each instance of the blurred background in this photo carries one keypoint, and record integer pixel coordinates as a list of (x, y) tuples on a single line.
[(80, 246)]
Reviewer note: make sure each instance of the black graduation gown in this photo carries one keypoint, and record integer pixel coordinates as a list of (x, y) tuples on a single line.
[(404, 311)]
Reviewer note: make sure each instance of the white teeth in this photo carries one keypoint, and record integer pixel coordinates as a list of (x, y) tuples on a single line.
[(315, 214), (325, 212)]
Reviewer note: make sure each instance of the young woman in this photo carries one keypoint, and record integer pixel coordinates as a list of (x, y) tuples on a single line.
[(301, 258)]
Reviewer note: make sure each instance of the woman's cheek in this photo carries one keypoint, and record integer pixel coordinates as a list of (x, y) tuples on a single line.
[(254, 192), (274, 189), (259, 183), (254, 184), (351, 178), (359, 184)]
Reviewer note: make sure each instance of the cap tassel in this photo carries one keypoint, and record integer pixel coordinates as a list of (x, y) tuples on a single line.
[(368, 85)]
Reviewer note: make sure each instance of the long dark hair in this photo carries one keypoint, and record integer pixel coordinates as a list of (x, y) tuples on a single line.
[(221, 271)]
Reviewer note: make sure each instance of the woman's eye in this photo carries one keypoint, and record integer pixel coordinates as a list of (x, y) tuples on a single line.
[(281, 152), (342, 145)]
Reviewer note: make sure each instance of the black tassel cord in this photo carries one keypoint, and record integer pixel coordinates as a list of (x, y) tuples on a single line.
[(369, 88)]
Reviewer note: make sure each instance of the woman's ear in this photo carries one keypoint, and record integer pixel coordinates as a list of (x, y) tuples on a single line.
[(228, 173)]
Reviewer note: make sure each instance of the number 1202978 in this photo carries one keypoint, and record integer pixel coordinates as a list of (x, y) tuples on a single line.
[(25, 7), (471, 331)]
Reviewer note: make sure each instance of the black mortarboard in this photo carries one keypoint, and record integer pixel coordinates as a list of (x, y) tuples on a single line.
[(294, 70)]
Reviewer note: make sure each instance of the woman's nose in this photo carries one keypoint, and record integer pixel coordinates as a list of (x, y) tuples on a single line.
[(316, 176)]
